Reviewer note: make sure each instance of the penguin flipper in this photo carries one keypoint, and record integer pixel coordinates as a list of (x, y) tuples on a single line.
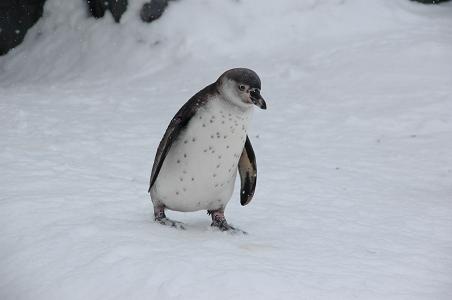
[(248, 173), (177, 124)]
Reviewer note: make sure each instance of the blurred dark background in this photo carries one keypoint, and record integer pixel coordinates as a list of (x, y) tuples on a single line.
[(17, 16)]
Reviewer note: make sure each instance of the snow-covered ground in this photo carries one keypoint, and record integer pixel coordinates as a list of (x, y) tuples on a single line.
[(354, 195)]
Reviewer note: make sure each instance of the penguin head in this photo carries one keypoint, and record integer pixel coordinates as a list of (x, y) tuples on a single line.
[(241, 87)]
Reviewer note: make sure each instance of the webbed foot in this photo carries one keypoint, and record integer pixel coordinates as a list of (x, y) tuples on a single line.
[(160, 217), (219, 221), (171, 223)]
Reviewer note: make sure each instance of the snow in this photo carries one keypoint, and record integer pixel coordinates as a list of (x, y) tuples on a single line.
[(354, 188)]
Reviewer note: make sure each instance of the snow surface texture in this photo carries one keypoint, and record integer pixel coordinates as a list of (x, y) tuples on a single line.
[(354, 193)]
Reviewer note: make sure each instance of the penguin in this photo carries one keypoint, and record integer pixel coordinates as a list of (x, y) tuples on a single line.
[(206, 142)]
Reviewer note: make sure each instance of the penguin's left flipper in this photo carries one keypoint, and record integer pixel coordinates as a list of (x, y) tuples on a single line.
[(248, 173)]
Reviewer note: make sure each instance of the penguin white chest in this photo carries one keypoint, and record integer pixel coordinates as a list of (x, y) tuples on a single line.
[(200, 169)]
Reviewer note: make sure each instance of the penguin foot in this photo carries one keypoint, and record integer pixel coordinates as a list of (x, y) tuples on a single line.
[(160, 217), (219, 221), (168, 222), (224, 226)]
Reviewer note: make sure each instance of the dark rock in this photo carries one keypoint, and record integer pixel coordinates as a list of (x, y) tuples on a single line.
[(97, 8), (16, 17), (430, 1), (153, 10)]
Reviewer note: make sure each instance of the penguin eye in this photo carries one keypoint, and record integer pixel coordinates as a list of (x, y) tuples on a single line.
[(241, 87)]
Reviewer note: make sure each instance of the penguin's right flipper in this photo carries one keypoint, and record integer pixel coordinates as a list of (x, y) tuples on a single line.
[(177, 124)]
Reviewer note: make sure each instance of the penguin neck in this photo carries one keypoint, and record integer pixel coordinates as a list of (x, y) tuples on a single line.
[(242, 112)]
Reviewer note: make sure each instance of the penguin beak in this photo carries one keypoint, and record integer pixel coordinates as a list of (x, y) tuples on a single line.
[(257, 99)]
